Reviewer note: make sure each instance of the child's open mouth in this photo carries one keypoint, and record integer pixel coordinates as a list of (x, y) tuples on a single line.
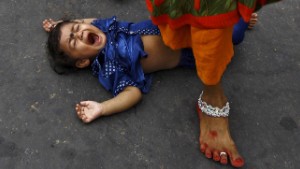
[(93, 39)]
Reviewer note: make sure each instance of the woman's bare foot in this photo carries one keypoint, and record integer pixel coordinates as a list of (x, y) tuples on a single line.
[(214, 132), (49, 24), (88, 111), (253, 20)]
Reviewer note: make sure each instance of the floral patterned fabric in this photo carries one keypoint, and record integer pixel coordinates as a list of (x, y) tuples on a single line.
[(202, 13)]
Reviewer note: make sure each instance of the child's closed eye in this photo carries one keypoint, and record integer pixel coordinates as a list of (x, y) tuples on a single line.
[(73, 43), (77, 28)]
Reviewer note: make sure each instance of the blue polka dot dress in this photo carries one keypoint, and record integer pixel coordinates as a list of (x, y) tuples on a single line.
[(118, 64)]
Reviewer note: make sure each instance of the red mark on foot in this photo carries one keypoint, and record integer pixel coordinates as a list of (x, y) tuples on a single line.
[(213, 134)]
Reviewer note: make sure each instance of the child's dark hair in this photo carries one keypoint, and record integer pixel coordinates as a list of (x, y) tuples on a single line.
[(59, 61)]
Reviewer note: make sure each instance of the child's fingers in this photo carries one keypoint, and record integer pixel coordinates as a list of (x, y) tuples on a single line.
[(84, 103), (46, 21), (83, 118), (52, 22), (80, 114), (78, 111), (77, 107)]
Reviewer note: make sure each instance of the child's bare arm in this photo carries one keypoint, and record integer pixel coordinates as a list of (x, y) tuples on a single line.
[(49, 24), (90, 110), (124, 100), (85, 20)]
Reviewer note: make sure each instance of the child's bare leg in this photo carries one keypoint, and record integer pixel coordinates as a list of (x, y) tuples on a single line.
[(215, 138), (253, 20)]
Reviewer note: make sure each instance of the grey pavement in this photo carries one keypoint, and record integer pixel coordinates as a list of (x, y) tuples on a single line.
[(39, 128)]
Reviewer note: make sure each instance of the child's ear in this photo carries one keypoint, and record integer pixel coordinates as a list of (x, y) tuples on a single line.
[(82, 63)]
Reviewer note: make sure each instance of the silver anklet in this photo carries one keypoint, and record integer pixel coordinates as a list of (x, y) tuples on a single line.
[(213, 111)]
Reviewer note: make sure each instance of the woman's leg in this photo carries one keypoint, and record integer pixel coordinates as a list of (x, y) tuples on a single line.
[(213, 53), (215, 134)]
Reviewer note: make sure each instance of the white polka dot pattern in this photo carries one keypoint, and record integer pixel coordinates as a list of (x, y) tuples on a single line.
[(122, 84)]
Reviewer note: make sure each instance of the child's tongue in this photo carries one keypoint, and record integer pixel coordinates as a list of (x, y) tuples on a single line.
[(93, 38)]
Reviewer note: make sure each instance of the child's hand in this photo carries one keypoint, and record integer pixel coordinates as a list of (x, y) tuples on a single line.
[(88, 110), (49, 24)]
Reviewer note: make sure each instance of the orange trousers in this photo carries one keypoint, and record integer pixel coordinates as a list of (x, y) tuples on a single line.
[(212, 48)]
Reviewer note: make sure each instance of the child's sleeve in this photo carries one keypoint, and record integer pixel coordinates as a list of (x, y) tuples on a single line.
[(121, 83), (144, 28), (117, 81)]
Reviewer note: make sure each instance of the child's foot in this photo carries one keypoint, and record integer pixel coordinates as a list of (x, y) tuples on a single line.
[(215, 139), (253, 20), (88, 111), (49, 24)]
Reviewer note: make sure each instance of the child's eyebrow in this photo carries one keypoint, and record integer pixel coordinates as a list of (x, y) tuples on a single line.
[(72, 29)]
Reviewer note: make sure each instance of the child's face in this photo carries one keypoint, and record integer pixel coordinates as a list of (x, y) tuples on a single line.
[(81, 40)]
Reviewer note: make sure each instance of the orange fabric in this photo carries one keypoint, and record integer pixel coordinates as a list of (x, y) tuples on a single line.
[(212, 48)]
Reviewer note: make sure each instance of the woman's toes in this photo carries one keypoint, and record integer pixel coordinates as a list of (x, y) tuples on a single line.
[(202, 148), (223, 158), (238, 162), (208, 153), (216, 156)]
